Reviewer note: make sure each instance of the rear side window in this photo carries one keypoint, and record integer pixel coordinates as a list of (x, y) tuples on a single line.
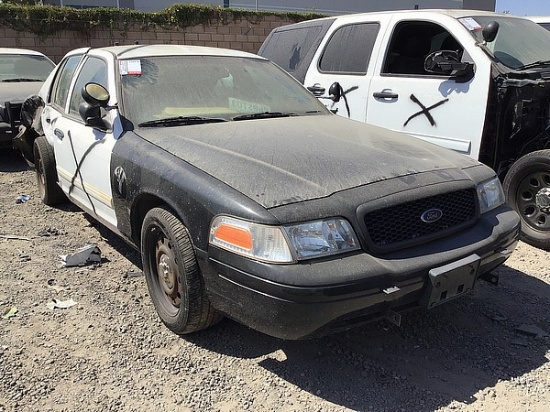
[(349, 49), (60, 90), (288, 48), (292, 47)]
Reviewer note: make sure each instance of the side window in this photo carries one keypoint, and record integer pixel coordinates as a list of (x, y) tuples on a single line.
[(410, 44), (93, 70), (60, 89), (349, 49), (288, 47)]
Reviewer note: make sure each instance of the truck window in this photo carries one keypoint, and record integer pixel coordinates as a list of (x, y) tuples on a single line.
[(288, 48), (410, 44), (349, 49)]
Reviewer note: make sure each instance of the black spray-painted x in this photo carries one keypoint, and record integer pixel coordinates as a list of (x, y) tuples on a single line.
[(425, 110)]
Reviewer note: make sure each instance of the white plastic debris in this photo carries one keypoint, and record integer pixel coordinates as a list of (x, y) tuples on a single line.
[(60, 304), (82, 257)]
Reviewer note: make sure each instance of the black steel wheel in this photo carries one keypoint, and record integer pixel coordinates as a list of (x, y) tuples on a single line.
[(527, 190), (46, 174), (173, 276)]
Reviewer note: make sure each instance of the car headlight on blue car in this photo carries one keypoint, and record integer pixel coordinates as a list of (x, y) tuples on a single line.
[(283, 244), (490, 195)]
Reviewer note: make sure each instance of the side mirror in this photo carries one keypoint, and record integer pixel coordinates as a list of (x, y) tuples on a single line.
[(95, 97), (447, 63), (335, 92), (95, 94), (490, 31)]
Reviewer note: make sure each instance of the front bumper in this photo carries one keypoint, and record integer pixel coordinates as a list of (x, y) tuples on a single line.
[(315, 298)]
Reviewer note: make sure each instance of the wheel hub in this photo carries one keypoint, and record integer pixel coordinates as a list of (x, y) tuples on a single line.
[(543, 200), (167, 274)]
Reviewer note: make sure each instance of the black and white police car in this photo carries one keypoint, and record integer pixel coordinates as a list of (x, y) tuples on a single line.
[(247, 198)]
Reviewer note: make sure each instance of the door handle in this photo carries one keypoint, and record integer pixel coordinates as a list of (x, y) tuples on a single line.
[(58, 133), (316, 90), (385, 94)]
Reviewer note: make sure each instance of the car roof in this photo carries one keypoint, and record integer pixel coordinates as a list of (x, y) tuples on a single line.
[(13, 50), (140, 51), (539, 19), (424, 13)]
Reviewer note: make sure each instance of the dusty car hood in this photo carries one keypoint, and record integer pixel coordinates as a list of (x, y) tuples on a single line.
[(17, 92), (285, 160)]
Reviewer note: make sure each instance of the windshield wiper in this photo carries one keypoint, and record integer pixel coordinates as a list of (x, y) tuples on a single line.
[(534, 64), (181, 120), (21, 80), (263, 115)]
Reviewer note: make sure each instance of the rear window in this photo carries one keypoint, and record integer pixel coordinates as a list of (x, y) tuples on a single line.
[(24, 68)]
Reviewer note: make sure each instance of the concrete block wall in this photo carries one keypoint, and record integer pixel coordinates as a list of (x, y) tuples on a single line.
[(240, 34)]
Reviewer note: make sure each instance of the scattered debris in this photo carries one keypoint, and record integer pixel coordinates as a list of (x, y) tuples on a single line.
[(520, 342), (14, 237), (499, 318), (9, 313), (50, 231), (23, 257), (52, 285), (86, 255), (132, 274), (532, 330), (22, 199), (60, 304)]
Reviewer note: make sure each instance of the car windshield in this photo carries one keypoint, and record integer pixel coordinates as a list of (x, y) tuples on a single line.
[(519, 42), (24, 68), (176, 90)]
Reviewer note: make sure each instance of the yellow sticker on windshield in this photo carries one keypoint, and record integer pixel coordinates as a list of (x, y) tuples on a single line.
[(242, 106)]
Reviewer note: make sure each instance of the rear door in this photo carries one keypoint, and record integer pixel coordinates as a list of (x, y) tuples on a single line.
[(345, 57)]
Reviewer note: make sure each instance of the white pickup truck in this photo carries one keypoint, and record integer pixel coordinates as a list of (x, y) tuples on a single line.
[(473, 81)]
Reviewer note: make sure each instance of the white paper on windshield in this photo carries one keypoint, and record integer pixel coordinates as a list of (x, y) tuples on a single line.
[(470, 23), (130, 67)]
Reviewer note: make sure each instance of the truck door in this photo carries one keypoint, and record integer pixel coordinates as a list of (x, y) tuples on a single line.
[(345, 58), (441, 109)]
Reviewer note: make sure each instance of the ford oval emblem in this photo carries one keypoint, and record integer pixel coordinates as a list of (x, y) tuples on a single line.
[(431, 215)]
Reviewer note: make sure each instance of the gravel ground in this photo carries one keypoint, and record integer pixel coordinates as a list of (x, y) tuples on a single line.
[(488, 351)]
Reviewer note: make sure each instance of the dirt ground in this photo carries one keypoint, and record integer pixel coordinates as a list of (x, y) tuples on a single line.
[(488, 351)]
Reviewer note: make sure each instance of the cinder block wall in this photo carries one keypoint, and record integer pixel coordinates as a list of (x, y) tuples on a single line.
[(240, 34)]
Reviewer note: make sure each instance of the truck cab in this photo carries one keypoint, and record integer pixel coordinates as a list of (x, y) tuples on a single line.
[(472, 81)]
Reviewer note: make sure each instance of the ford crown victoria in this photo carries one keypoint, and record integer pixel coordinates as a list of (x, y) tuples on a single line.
[(247, 198)]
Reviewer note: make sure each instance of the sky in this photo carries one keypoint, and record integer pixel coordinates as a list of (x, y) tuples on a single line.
[(524, 7)]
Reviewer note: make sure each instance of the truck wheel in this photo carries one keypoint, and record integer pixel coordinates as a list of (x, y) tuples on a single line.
[(46, 175), (527, 190), (173, 276)]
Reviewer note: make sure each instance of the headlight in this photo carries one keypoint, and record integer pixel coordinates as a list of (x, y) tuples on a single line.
[(321, 238), (284, 244), (490, 195)]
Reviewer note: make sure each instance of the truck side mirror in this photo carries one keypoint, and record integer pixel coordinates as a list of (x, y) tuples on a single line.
[(335, 92), (447, 63), (490, 31)]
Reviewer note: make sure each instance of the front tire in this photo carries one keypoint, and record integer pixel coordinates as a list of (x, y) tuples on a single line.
[(46, 174), (527, 191), (173, 276)]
